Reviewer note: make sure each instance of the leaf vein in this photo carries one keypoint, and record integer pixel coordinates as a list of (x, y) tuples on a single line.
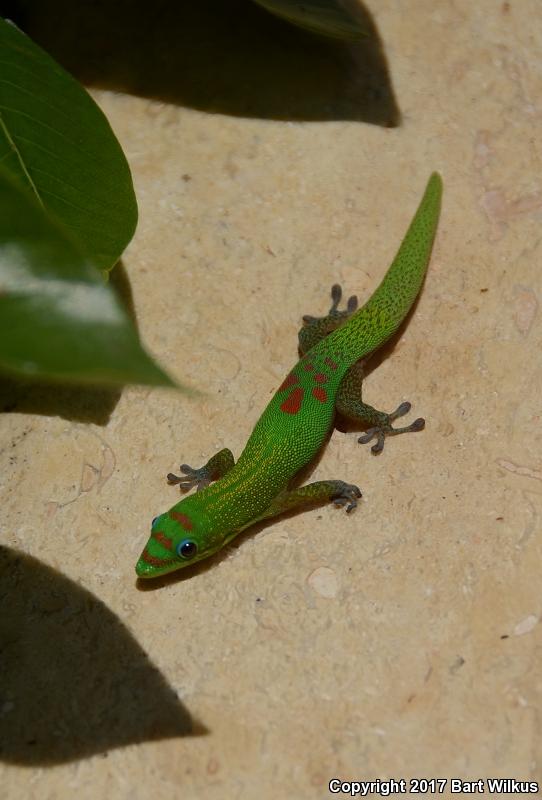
[(18, 153), (36, 121)]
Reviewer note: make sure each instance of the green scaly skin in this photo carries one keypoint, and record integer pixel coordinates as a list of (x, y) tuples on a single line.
[(297, 420)]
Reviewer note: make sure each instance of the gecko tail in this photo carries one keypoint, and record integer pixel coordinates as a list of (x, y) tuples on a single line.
[(381, 316)]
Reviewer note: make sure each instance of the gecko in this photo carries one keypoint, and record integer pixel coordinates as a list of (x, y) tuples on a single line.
[(327, 379)]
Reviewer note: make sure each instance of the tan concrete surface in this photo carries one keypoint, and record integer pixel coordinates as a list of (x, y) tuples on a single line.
[(402, 641)]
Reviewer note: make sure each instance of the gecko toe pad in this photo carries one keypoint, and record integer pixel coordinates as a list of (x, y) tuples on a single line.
[(385, 429), (199, 478)]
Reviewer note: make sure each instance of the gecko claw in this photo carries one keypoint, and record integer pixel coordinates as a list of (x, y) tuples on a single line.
[(381, 431), (348, 494), (192, 477)]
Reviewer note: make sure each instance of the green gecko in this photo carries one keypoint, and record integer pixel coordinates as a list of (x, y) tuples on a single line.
[(231, 497)]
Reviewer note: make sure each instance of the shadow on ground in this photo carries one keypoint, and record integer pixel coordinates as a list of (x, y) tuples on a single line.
[(221, 56), (73, 681)]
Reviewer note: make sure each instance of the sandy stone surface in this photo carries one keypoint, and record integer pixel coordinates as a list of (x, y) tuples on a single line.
[(401, 641)]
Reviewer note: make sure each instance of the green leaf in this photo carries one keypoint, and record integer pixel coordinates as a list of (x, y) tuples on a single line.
[(56, 142), (58, 319), (338, 19)]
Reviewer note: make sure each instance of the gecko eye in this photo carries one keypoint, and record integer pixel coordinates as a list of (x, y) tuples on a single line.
[(154, 520), (187, 548)]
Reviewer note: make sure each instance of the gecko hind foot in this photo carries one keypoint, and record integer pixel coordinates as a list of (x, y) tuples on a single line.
[(347, 495), (334, 313), (199, 478), (316, 328), (385, 429)]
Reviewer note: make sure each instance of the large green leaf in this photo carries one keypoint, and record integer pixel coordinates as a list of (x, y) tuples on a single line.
[(338, 19), (58, 319), (57, 143)]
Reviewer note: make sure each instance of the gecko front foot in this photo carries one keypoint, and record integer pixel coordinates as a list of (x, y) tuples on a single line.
[(199, 478), (347, 493), (215, 468), (385, 428)]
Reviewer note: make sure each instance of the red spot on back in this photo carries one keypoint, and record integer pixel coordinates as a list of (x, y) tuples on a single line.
[(330, 362), (182, 519), (320, 377), (309, 366), (288, 381), (319, 394), (164, 541), (292, 404)]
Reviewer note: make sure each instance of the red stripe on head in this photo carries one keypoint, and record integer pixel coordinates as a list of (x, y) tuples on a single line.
[(320, 377), (292, 404), (319, 394), (164, 541), (287, 382), (154, 561), (182, 519), (308, 366)]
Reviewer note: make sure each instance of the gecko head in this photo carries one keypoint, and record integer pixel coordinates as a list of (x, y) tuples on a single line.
[(178, 538)]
